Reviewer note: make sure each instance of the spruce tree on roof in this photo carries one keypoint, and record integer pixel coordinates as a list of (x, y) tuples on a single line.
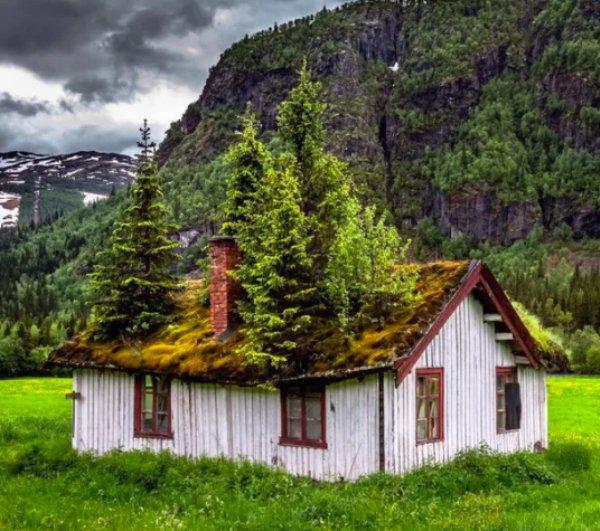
[(263, 213), (133, 284), (325, 186), (311, 253)]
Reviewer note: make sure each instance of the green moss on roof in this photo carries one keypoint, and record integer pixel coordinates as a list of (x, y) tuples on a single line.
[(187, 348)]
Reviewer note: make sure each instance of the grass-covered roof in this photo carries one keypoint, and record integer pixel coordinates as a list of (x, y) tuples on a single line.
[(187, 348)]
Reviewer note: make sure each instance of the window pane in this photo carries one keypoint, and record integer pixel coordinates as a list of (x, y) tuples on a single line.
[(433, 408), (162, 386), (501, 423), (147, 405), (433, 428), (162, 404), (294, 406), (294, 428), (500, 403), (421, 386), (313, 429), (422, 429), (433, 385), (421, 414), (163, 423), (500, 382), (313, 407), (147, 421)]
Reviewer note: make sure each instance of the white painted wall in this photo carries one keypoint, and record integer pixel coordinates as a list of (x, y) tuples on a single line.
[(467, 350), (213, 420), (236, 422)]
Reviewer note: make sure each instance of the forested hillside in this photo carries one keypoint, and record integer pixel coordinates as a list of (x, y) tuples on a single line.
[(480, 115), (476, 123)]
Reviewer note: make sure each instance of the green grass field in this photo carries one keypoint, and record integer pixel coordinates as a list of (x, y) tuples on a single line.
[(43, 484)]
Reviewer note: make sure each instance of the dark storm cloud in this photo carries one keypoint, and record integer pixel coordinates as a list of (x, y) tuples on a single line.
[(8, 105), (104, 52), (113, 138), (92, 88), (97, 47), (116, 138)]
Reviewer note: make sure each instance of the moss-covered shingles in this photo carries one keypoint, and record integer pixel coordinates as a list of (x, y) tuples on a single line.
[(188, 349)]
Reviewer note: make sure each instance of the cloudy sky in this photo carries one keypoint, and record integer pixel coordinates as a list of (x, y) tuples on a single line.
[(82, 74)]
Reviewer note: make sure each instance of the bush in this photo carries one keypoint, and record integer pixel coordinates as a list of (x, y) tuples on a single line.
[(570, 456), (43, 459), (593, 358), (472, 471)]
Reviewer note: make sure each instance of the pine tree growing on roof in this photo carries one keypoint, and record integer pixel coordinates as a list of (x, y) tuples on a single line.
[(311, 252), (263, 213), (133, 284)]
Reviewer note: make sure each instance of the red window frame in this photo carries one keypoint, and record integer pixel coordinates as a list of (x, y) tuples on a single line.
[(140, 429), (302, 391), (507, 375), (428, 397)]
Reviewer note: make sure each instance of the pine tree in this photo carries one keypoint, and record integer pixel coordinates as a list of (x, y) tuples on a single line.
[(352, 253), (310, 251), (263, 213), (323, 179), (132, 284), (250, 161)]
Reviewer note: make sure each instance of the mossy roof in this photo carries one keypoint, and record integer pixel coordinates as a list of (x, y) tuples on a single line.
[(187, 348)]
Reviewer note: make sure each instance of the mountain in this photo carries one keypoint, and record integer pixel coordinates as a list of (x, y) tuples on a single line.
[(475, 122), (480, 117), (34, 186)]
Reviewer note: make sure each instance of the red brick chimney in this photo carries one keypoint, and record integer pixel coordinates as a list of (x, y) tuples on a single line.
[(225, 256)]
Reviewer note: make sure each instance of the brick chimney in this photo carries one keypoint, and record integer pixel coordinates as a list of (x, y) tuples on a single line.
[(225, 256)]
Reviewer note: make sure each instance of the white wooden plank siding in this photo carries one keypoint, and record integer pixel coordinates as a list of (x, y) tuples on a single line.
[(245, 423), (237, 422), (467, 349)]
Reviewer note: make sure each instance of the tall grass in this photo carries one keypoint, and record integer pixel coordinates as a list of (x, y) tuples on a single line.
[(45, 484)]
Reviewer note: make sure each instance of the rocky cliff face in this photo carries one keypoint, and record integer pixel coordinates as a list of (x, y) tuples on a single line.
[(400, 80)]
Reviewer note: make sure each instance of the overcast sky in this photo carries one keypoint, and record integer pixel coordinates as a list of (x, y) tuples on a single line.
[(82, 74)]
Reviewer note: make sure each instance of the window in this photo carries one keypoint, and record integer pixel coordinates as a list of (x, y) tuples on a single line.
[(152, 407), (508, 400), (303, 416), (430, 405)]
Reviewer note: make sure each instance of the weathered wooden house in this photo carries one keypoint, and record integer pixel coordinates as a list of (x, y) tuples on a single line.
[(456, 369)]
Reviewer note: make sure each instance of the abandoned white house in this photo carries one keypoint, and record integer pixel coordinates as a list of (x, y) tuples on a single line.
[(456, 369)]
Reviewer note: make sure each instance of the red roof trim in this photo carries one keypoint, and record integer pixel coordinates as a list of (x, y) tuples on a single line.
[(478, 274)]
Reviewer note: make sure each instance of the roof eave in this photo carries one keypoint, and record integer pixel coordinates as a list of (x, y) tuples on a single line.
[(478, 273)]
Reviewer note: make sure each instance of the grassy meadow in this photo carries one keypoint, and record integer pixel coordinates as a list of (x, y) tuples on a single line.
[(43, 484)]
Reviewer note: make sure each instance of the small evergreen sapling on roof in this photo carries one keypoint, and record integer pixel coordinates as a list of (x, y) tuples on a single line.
[(132, 283)]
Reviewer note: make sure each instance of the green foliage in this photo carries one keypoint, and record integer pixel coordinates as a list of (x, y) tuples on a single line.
[(300, 120), (550, 342), (592, 359), (44, 484), (132, 284), (490, 151), (447, 38), (195, 194), (570, 456), (309, 248), (581, 343), (360, 278), (249, 162), (264, 214), (505, 147)]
